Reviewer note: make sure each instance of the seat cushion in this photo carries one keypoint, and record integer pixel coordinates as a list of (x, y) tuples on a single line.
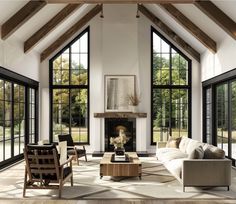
[(175, 167), (183, 144), (79, 151), (167, 154)]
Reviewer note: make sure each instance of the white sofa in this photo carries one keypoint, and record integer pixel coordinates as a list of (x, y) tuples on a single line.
[(196, 164)]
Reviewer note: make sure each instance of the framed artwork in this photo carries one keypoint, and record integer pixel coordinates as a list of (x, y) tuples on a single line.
[(118, 89)]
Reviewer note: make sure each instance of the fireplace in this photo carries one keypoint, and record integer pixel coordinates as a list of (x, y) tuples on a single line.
[(112, 128)]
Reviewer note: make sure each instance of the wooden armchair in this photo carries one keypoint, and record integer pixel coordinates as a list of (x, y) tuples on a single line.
[(73, 150), (43, 169)]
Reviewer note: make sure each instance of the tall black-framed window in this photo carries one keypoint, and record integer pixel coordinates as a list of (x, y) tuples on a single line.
[(69, 90), (170, 90), (14, 115), (219, 112)]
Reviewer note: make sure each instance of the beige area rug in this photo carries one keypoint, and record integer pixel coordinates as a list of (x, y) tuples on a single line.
[(156, 184)]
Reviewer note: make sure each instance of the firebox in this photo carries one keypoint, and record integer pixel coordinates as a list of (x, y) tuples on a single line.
[(112, 128)]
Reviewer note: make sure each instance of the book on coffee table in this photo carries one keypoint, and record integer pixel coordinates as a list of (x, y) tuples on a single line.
[(120, 158)]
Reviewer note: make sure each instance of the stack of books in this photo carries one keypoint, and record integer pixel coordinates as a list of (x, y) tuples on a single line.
[(119, 157)]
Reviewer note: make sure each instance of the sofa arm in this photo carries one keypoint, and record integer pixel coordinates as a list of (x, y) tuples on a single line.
[(206, 172), (160, 144)]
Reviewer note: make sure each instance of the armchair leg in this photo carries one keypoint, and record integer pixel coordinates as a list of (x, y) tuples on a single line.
[(60, 188), (71, 180), (86, 157), (228, 188), (25, 181)]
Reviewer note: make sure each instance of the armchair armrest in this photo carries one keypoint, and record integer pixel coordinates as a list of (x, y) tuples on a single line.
[(69, 160), (206, 172)]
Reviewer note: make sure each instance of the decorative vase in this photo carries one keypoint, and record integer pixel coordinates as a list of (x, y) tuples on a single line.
[(119, 151), (134, 109)]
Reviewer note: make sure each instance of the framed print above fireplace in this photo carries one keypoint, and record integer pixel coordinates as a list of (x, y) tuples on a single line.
[(118, 89)]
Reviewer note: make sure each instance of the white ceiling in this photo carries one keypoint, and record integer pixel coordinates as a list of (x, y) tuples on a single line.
[(9, 7)]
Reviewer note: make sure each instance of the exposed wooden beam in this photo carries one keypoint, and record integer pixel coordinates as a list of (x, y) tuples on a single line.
[(20, 17), (50, 26), (170, 33), (70, 32), (218, 16), (191, 27), (121, 1)]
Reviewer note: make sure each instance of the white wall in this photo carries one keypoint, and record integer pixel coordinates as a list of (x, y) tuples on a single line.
[(119, 44), (12, 57), (223, 61)]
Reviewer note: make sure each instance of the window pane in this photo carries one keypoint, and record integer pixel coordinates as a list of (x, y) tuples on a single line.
[(69, 108), (7, 149), (233, 112), (170, 93), (1, 151), (16, 146), (1, 89)]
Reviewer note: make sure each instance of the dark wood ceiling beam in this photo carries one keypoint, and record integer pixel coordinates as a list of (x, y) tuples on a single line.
[(20, 17), (121, 1), (170, 33), (218, 16), (191, 27), (50, 26), (70, 32)]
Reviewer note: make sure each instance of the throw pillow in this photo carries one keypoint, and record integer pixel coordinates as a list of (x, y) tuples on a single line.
[(197, 153), (212, 152), (173, 142)]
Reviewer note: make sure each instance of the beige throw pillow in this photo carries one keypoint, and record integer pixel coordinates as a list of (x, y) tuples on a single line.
[(173, 142), (197, 153)]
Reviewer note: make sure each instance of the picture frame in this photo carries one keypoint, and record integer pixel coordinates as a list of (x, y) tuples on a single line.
[(118, 88)]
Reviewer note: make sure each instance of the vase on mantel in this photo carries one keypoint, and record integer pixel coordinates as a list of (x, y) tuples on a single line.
[(134, 109)]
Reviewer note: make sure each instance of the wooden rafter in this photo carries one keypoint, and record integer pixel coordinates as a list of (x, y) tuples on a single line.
[(50, 26), (121, 1), (20, 17), (170, 33), (70, 32), (191, 27), (218, 16)]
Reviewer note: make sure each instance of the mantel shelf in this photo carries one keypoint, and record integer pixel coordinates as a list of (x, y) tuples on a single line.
[(120, 115)]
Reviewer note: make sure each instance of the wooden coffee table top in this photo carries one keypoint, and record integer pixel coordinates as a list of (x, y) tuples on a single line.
[(132, 155)]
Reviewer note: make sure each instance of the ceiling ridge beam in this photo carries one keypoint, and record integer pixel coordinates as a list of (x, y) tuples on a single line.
[(50, 26), (169, 32), (218, 16), (121, 1), (70, 32), (191, 27), (20, 17)]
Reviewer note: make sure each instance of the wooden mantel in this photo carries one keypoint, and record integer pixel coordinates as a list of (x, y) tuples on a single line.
[(120, 115)]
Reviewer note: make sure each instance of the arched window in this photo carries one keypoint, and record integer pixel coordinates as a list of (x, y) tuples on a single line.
[(69, 90), (171, 90)]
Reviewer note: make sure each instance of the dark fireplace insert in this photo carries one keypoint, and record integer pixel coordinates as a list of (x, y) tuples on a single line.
[(112, 128)]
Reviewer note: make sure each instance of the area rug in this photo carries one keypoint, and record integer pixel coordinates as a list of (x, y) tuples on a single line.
[(156, 183)]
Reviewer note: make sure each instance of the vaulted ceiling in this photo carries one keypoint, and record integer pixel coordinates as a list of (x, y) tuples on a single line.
[(43, 26)]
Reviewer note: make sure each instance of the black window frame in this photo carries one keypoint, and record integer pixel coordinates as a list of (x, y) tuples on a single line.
[(27, 83), (171, 86), (213, 83), (70, 87)]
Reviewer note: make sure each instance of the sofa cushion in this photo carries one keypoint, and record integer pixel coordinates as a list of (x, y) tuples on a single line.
[(191, 145), (196, 153), (183, 144), (167, 154), (173, 142), (212, 152), (175, 167)]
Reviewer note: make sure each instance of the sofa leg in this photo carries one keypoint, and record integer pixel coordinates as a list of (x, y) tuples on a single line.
[(228, 188)]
